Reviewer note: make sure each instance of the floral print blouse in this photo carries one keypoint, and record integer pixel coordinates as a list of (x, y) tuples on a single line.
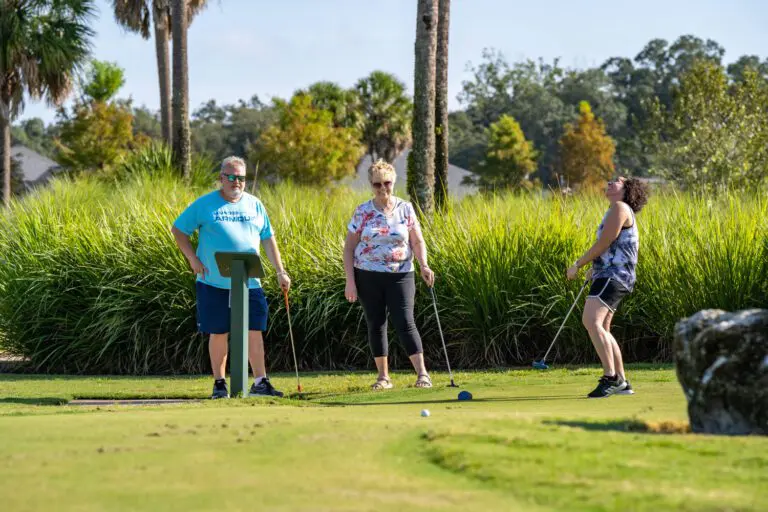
[(384, 239)]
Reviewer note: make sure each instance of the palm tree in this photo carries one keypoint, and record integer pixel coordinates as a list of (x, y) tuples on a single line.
[(43, 44), (335, 99), (384, 112), (421, 168), (441, 104), (181, 143), (134, 15)]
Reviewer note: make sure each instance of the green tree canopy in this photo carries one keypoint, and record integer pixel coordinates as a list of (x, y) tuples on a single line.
[(305, 146), (225, 130), (99, 130), (17, 177), (95, 136), (34, 134), (738, 69), (714, 136), (509, 159), (104, 80), (341, 103)]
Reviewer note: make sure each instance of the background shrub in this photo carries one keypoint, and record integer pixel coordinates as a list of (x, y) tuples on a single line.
[(91, 280)]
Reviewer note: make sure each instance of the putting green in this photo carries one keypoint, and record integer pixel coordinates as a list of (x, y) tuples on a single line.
[(526, 441)]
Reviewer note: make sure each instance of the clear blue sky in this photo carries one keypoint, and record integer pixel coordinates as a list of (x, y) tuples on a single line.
[(238, 48)]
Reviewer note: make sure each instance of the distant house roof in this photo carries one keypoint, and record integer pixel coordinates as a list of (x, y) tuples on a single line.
[(37, 169), (652, 180), (455, 175)]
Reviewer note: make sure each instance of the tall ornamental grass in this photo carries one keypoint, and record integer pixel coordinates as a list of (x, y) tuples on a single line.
[(91, 280)]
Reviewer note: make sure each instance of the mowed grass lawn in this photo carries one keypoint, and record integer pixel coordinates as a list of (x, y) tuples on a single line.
[(527, 441)]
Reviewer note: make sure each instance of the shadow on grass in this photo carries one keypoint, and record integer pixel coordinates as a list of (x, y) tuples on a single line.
[(131, 401), (24, 377), (628, 425), (308, 395), (453, 400), (139, 396), (43, 400)]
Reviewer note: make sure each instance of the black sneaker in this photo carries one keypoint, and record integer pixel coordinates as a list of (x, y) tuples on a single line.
[(264, 388), (627, 390), (607, 387), (220, 389)]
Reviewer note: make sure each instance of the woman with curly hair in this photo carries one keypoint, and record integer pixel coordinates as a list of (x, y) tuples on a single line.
[(383, 237), (614, 260)]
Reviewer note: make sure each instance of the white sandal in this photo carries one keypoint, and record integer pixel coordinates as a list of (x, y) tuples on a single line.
[(382, 383), (423, 381)]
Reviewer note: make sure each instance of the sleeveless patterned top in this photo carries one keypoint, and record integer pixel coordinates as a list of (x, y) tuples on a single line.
[(619, 261)]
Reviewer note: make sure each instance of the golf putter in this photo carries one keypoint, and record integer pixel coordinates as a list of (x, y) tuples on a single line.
[(439, 328), (542, 364), (293, 346)]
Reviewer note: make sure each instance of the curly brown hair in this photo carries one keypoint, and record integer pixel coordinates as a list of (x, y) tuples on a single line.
[(635, 193)]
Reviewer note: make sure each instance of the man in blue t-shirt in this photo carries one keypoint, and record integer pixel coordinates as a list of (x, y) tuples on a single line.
[(229, 219)]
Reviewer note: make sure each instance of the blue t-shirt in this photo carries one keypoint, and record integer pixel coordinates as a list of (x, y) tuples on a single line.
[(225, 226)]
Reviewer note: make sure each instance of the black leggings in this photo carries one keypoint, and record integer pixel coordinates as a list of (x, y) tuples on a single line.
[(379, 291)]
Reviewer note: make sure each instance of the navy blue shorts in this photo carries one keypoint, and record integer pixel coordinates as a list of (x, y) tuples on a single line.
[(213, 311)]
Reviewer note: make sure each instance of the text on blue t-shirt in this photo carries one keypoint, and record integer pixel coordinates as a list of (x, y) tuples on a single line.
[(225, 227)]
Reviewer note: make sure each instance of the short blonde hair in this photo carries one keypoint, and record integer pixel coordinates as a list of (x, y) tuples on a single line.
[(232, 161), (382, 170)]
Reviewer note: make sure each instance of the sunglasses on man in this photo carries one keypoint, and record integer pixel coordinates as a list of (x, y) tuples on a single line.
[(234, 177), (378, 185)]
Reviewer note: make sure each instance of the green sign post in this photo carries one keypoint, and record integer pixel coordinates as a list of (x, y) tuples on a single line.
[(239, 266)]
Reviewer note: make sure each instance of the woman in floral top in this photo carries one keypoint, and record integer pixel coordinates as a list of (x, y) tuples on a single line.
[(382, 239)]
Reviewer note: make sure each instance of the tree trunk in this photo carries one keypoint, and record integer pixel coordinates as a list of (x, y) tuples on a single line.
[(421, 172), (162, 31), (5, 128), (441, 105), (181, 143)]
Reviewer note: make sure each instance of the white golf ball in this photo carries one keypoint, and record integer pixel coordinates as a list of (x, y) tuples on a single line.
[(425, 412)]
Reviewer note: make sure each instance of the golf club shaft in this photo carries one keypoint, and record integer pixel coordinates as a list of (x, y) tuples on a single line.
[(565, 320), (439, 328), (293, 346)]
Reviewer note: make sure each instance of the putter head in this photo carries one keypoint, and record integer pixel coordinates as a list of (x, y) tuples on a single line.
[(453, 385), (540, 365)]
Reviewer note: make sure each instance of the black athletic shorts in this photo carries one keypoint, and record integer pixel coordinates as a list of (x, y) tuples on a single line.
[(608, 291)]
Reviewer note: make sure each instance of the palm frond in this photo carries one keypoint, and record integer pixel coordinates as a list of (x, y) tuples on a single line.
[(133, 15)]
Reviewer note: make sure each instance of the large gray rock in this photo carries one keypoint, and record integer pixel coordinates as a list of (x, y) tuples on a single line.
[(722, 364)]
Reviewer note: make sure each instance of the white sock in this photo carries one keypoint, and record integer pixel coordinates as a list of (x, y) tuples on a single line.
[(258, 380)]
